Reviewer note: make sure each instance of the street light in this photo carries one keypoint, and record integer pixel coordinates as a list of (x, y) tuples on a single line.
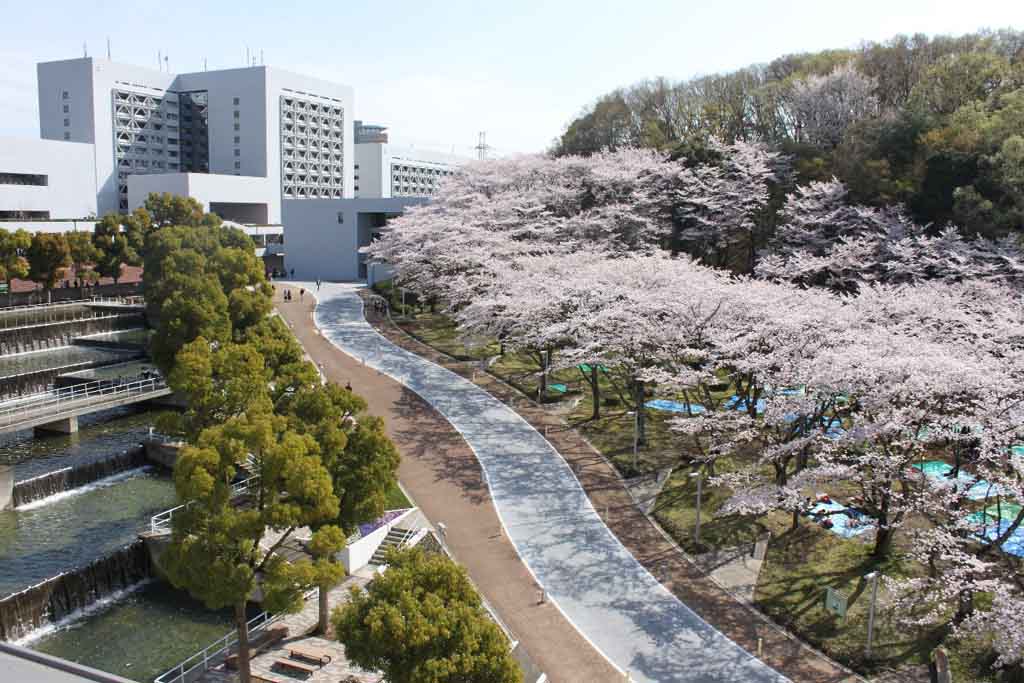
[(873, 578), (696, 528), (636, 438)]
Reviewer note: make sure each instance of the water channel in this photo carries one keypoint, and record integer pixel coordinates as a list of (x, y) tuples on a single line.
[(137, 633)]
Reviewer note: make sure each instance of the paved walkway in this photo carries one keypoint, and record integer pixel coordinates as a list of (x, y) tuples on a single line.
[(443, 476), (610, 597)]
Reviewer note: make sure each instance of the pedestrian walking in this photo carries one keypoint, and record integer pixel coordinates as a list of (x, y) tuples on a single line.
[(301, 293), (293, 273)]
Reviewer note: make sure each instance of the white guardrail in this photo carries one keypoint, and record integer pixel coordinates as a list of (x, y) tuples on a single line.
[(214, 654), (58, 400), (162, 521)]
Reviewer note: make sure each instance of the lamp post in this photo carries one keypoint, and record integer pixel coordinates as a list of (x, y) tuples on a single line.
[(873, 577), (636, 438), (696, 527)]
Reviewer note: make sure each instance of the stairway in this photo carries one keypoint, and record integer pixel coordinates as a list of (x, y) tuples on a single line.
[(396, 538)]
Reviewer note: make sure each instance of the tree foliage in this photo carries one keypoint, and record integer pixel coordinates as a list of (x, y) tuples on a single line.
[(48, 255), (14, 247), (421, 621)]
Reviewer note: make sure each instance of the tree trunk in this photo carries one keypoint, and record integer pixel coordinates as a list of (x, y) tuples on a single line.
[(543, 386), (883, 541), (242, 625), (321, 627), (796, 519), (595, 394), (641, 422)]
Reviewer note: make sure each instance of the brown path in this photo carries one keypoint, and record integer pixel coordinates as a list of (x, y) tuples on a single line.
[(642, 538), (441, 472)]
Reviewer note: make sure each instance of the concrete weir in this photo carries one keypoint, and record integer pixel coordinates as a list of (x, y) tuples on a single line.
[(66, 425)]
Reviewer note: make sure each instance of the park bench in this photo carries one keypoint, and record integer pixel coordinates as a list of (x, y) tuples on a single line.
[(263, 679), (313, 655), (258, 644), (293, 665)]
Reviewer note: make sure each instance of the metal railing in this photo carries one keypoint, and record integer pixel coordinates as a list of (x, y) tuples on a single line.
[(59, 400), (20, 322), (162, 520), (217, 652)]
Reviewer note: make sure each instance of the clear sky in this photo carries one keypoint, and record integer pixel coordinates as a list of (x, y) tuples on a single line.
[(438, 72)]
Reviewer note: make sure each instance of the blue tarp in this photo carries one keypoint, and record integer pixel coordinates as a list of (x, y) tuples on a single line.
[(939, 471), (845, 521), (738, 403), (674, 406), (1014, 545)]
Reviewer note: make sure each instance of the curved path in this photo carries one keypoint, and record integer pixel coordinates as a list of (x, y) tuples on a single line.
[(587, 573)]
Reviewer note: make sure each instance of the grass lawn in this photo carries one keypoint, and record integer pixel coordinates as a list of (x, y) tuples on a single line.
[(676, 511), (799, 566), (396, 500)]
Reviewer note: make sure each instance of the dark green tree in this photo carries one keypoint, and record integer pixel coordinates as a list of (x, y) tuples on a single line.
[(422, 622), (221, 553), (48, 255)]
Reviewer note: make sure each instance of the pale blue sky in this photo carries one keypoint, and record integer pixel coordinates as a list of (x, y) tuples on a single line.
[(439, 72)]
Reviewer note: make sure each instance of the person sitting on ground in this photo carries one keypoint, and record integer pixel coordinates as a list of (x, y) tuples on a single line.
[(348, 386)]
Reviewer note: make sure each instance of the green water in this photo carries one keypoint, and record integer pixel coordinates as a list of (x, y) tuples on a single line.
[(141, 635), (39, 542)]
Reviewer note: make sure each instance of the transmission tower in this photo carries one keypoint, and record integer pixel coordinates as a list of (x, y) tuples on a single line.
[(481, 145)]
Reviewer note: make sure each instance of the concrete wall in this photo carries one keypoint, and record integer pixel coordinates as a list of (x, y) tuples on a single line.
[(356, 555), (70, 191), (209, 188), (49, 226), (373, 172), (317, 245)]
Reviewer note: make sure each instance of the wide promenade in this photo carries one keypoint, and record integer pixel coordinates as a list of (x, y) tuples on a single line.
[(596, 583)]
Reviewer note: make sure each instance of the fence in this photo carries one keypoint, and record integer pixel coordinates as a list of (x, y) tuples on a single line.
[(162, 521), (214, 654), (58, 400)]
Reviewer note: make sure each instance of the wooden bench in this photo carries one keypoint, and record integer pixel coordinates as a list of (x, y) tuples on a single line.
[(302, 652), (258, 644), (292, 665), (263, 679)]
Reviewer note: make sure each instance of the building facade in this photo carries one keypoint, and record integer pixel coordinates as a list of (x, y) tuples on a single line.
[(264, 148)]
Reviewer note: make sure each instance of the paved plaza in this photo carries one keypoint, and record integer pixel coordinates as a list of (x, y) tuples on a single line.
[(616, 603)]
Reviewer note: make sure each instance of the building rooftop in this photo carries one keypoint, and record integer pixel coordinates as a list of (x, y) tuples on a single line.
[(26, 666)]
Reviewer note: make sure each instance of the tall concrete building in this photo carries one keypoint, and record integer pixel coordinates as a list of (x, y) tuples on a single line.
[(256, 122), (275, 152)]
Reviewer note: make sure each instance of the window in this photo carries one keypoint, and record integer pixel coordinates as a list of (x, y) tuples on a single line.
[(24, 179), (238, 165), (237, 127), (67, 109), (236, 101), (238, 152), (238, 139), (237, 114), (67, 122), (357, 177), (357, 188), (67, 135), (357, 167), (341, 217), (64, 95)]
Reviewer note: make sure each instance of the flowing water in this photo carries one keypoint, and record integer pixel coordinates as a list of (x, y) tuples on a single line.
[(101, 435), (67, 357), (40, 542), (141, 635)]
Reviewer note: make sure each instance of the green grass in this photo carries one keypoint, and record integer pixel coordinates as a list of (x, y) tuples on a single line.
[(799, 566), (396, 500), (676, 511)]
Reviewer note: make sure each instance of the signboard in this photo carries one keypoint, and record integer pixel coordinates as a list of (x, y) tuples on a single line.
[(4, 287), (835, 602)]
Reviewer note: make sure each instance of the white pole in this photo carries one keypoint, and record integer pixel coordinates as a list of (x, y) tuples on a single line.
[(871, 611), (636, 437), (696, 527)]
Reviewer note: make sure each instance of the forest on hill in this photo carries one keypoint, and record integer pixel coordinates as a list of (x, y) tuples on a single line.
[(933, 123)]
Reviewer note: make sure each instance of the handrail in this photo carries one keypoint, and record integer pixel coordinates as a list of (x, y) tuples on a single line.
[(56, 400), (90, 315), (129, 299), (210, 655), (162, 520)]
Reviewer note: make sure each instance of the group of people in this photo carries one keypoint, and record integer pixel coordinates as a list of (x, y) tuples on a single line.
[(288, 294)]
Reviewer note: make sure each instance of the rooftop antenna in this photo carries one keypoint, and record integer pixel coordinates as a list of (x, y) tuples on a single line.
[(108, 47), (481, 145), (85, 50), (248, 60), (160, 60), (167, 64), (261, 57), (204, 63)]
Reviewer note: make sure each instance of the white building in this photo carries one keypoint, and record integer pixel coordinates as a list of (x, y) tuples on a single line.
[(258, 146)]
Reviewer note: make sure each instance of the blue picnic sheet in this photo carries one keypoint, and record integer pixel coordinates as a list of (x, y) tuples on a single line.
[(1014, 545), (738, 403), (674, 406), (939, 471), (846, 522)]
